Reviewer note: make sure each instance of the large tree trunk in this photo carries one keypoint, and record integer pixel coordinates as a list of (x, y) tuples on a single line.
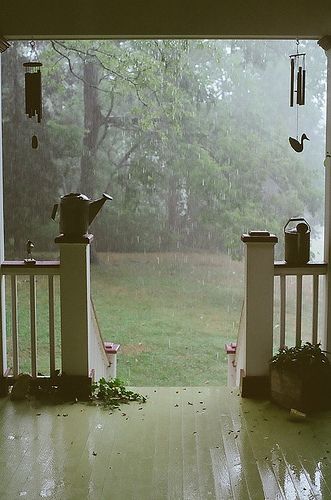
[(92, 124)]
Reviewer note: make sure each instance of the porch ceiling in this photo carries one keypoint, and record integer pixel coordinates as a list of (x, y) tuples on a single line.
[(156, 18), (195, 443)]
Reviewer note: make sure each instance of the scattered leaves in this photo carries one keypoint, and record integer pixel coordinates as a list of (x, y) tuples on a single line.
[(112, 393)]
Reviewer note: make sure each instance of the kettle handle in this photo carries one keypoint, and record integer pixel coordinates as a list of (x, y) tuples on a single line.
[(296, 219), (56, 206)]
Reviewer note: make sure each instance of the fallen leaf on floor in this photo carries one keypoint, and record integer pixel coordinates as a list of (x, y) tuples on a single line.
[(94, 454), (191, 404)]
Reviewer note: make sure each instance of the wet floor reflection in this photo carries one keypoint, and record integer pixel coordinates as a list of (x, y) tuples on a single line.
[(292, 458)]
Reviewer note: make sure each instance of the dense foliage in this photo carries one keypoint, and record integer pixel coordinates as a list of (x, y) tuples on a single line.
[(301, 358), (189, 137)]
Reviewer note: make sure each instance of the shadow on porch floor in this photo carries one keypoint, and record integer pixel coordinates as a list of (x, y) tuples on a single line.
[(194, 443)]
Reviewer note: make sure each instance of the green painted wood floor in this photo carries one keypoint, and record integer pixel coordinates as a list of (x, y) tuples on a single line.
[(194, 443)]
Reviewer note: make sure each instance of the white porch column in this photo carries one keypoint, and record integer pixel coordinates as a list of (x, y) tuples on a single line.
[(325, 43), (75, 312), (3, 349), (259, 304)]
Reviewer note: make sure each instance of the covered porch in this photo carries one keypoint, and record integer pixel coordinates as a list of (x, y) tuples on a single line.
[(193, 443)]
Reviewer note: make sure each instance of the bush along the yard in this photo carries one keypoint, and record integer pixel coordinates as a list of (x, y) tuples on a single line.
[(112, 393)]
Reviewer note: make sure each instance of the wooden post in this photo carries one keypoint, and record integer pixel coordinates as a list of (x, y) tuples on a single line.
[(325, 43), (259, 303), (75, 316), (3, 348)]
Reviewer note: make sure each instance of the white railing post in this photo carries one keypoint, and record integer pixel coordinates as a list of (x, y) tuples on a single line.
[(75, 314), (259, 304), (325, 43)]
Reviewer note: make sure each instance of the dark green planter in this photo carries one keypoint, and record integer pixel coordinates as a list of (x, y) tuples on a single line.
[(305, 390)]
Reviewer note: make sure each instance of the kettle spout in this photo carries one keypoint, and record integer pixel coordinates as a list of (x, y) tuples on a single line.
[(95, 206)]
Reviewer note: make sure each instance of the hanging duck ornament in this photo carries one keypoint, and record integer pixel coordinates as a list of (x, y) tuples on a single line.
[(297, 93), (33, 94), (296, 145)]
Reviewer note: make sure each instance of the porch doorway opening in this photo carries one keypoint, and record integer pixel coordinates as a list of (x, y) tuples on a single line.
[(190, 137)]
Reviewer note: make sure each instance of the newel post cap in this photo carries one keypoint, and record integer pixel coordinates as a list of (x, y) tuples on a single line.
[(259, 237)]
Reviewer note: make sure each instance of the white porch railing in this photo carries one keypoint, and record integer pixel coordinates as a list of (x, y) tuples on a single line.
[(256, 340), (16, 269), (315, 270), (85, 357)]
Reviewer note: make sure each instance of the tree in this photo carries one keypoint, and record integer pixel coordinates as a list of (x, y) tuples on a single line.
[(190, 137)]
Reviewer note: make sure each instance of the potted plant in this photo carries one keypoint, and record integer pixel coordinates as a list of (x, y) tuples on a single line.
[(300, 378)]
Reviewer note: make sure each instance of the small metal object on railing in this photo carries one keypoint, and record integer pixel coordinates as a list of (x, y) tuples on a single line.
[(29, 260)]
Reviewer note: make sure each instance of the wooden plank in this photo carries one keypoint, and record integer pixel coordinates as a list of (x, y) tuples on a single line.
[(33, 326), (14, 324), (298, 311), (315, 309), (51, 323), (282, 311)]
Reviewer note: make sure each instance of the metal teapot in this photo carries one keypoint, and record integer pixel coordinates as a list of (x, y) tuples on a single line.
[(77, 212), (297, 241)]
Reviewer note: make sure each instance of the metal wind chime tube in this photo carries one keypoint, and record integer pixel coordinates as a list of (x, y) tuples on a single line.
[(298, 87), (298, 84), (33, 102), (33, 95)]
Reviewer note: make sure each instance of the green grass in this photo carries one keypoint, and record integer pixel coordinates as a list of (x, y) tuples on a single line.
[(172, 314)]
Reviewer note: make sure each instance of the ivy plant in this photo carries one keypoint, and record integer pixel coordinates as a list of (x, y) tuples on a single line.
[(112, 393)]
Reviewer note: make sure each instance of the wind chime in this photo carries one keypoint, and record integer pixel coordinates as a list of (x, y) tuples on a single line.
[(298, 93), (33, 99)]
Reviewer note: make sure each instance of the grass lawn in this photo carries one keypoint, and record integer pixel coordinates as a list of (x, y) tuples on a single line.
[(172, 313)]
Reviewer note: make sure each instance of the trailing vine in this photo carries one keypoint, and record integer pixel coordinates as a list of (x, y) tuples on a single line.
[(112, 393)]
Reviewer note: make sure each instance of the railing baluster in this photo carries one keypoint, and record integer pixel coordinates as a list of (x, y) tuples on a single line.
[(51, 325), (282, 311), (33, 325), (298, 311), (315, 308), (14, 324)]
